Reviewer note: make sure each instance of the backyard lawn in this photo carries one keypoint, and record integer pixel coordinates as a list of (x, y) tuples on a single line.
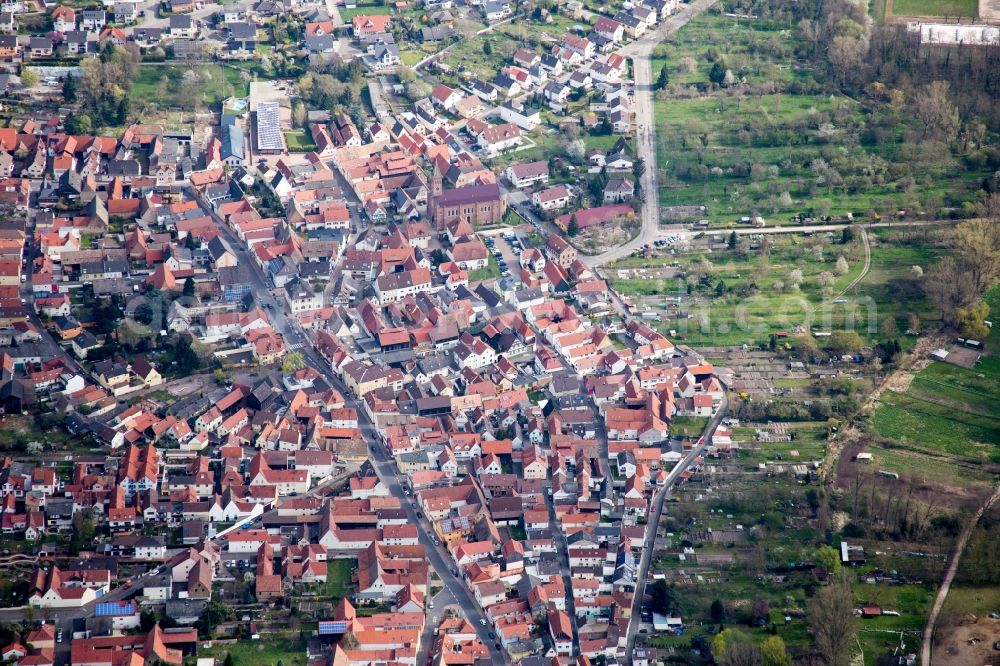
[(298, 141), (166, 84), (688, 426), (492, 270), (260, 653), (338, 578)]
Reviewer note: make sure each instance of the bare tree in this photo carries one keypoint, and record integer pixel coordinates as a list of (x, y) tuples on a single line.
[(948, 288), (742, 653), (830, 616), (937, 113), (977, 243)]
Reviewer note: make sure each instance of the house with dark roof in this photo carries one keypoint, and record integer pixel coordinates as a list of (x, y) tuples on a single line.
[(233, 151)]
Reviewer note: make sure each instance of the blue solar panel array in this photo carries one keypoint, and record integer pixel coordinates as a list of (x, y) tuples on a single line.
[(111, 608), (328, 627)]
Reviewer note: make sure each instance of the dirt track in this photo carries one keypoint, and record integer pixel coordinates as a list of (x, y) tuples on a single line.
[(956, 558)]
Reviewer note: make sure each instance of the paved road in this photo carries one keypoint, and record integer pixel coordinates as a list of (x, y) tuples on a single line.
[(442, 600), (653, 525), (641, 52)]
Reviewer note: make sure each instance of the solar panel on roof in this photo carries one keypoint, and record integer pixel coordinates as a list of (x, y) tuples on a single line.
[(269, 127), (328, 627), (110, 608)]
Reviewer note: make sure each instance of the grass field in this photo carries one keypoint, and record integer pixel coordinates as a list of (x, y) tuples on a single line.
[(298, 141), (951, 8), (758, 300), (338, 578), (776, 144), (165, 85), (946, 410), (688, 426)]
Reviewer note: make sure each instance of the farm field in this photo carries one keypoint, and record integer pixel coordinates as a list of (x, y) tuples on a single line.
[(780, 143), (946, 411)]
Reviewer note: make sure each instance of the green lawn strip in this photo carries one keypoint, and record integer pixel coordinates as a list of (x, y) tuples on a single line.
[(950, 8), (688, 426), (338, 578)]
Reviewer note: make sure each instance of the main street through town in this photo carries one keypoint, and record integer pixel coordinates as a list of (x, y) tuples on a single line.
[(299, 341)]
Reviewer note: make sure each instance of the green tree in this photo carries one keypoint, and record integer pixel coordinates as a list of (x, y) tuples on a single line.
[(80, 124), (487, 48), (720, 288), (28, 77), (732, 240), (147, 620), (573, 228), (828, 558), (69, 88), (189, 286), (663, 601), (663, 79), (717, 611), (971, 320), (844, 342), (774, 653), (734, 648), (215, 613), (293, 362), (185, 357), (83, 532), (718, 72)]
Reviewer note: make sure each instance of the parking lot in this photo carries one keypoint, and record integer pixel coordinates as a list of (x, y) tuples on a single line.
[(507, 252)]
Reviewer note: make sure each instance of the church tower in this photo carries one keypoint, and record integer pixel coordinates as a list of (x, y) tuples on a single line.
[(437, 186)]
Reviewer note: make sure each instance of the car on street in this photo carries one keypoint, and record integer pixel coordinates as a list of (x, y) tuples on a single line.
[(482, 622)]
